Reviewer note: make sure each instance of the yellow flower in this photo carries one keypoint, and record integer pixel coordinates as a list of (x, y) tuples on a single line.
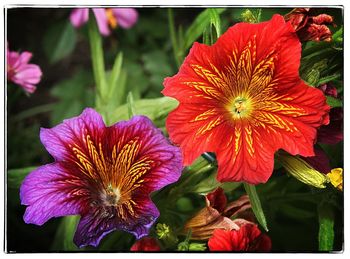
[(335, 176)]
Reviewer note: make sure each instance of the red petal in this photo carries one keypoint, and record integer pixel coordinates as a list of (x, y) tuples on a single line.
[(258, 63), (145, 244), (217, 199)]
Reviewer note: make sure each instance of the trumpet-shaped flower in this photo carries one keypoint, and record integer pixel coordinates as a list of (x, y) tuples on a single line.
[(20, 72), (242, 98), (105, 174), (106, 18)]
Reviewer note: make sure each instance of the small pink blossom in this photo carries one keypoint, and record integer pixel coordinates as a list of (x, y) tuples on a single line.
[(106, 18), (20, 72)]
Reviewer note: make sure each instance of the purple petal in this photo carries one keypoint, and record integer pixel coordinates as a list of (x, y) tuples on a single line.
[(102, 21), (101, 221), (79, 16), (57, 139), (46, 193), (126, 17), (168, 158)]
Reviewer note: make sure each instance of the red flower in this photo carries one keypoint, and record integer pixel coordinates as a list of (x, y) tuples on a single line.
[(247, 238), (146, 244), (243, 99), (310, 27)]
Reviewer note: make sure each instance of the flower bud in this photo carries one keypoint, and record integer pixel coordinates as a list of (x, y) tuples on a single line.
[(303, 171), (197, 247)]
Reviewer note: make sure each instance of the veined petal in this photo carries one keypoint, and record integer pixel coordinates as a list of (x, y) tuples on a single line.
[(51, 191), (109, 172), (100, 221), (151, 158), (62, 140), (250, 78), (204, 126)]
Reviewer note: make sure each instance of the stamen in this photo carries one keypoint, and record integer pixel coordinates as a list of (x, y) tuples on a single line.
[(111, 196), (112, 20)]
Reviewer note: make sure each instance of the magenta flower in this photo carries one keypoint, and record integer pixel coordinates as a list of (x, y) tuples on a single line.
[(105, 174), (20, 72), (105, 17)]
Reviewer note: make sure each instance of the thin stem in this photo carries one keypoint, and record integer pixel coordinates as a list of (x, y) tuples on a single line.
[(98, 63), (173, 36)]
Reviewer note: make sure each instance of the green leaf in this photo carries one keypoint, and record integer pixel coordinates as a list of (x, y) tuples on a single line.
[(156, 109), (114, 78), (205, 18), (326, 225), (59, 41), (130, 103), (73, 96), (256, 205), (327, 79), (64, 236), (334, 102), (15, 177)]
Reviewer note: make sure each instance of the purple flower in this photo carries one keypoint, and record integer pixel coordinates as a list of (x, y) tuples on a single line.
[(20, 72), (105, 174), (105, 17)]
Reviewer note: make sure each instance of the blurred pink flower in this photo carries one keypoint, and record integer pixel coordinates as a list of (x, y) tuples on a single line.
[(20, 72), (106, 18)]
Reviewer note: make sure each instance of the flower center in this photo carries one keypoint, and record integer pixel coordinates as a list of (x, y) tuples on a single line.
[(240, 107), (112, 20), (111, 196)]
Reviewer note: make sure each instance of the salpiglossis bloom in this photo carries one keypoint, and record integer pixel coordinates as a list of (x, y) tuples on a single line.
[(243, 99), (20, 72), (105, 174), (106, 18)]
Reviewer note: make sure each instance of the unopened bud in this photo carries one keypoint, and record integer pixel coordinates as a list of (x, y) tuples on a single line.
[(197, 247), (303, 171)]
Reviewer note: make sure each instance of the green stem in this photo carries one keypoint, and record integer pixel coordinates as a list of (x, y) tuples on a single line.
[(98, 63), (326, 227), (173, 36)]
